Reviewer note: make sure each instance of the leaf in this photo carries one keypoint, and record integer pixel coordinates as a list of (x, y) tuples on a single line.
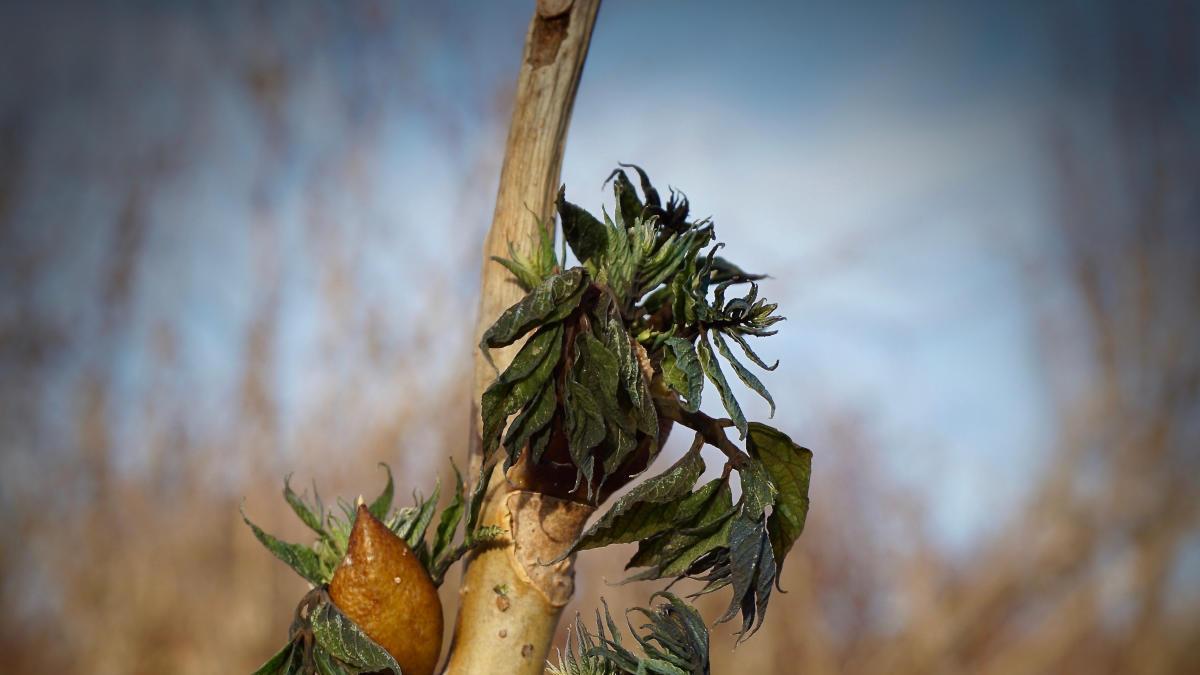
[(750, 352), (415, 536), (596, 369), (519, 383), (277, 663), (626, 195), (709, 363), (634, 383), (345, 641), (302, 559), (301, 508), (748, 378), (745, 548), (448, 523), (649, 508), (552, 300), (622, 257), (723, 270), (652, 198), (532, 268), (383, 503), (765, 578), (790, 468), (673, 552), (682, 372), (758, 492), (677, 635), (478, 493), (532, 419), (686, 550), (586, 235), (527, 277), (584, 426)]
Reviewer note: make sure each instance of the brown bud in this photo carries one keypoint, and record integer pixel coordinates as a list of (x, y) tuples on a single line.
[(384, 589)]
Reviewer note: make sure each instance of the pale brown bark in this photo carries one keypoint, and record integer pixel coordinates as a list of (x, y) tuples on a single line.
[(509, 602)]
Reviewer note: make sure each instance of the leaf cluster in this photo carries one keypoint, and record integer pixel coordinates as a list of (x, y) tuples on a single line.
[(641, 317)]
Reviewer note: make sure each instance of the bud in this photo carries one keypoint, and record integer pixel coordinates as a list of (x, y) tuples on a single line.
[(382, 587)]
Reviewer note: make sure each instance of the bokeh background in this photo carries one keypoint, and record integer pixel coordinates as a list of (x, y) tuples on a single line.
[(240, 240)]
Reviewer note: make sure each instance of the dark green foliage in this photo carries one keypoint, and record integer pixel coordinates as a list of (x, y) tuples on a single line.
[(673, 640)]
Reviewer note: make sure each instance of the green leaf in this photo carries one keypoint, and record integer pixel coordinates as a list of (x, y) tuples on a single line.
[(415, 534), (478, 493), (671, 553), (530, 270), (584, 426), (682, 372), (586, 235), (750, 352), (552, 300), (764, 579), (650, 507), (790, 468), (745, 549), (277, 664), (685, 550), (302, 559), (709, 363), (758, 492), (301, 508), (383, 503), (652, 198), (623, 255), (633, 382), (596, 369), (448, 523), (345, 641), (748, 378), (532, 419), (326, 664), (519, 383)]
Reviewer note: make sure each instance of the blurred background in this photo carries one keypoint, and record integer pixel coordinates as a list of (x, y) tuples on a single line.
[(242, 240)]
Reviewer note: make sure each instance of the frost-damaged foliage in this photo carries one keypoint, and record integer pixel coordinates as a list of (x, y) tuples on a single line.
[(673, 641), (322, 639), (617, 350)]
